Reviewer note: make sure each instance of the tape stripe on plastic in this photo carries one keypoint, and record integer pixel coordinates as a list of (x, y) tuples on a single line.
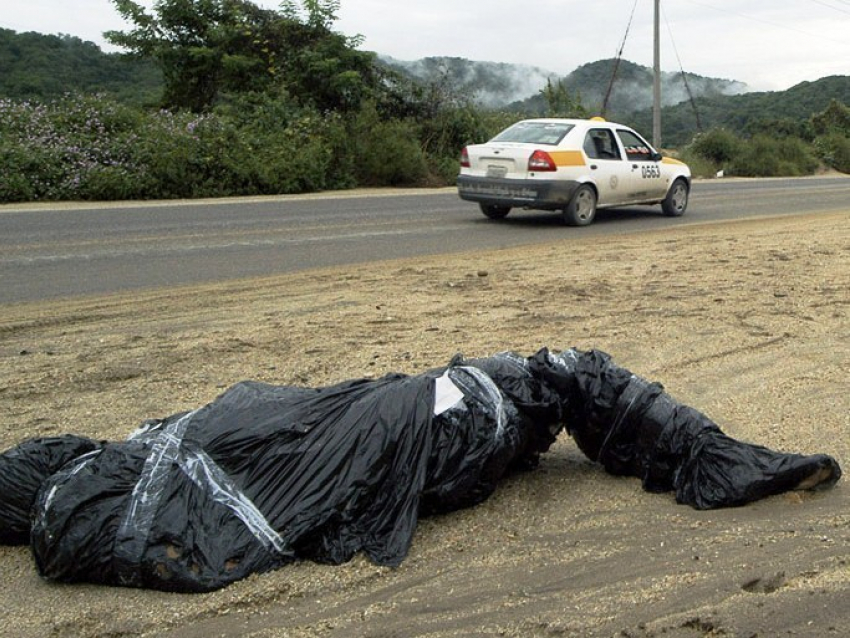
[(208, 476)]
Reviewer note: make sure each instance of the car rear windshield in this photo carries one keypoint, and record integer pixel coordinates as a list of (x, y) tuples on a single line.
[(534, 133)]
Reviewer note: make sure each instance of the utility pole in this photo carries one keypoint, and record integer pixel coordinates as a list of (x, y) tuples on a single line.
[(656, 84)]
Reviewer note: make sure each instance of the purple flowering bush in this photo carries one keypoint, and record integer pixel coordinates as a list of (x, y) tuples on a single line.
[(91, 148), (72, 148)]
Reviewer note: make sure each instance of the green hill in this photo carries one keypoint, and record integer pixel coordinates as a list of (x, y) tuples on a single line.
[(716, 102), (39, 66), (631, 90), (779, 111)]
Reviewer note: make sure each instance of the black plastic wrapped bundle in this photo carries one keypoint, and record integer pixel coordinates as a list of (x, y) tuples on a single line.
[(265, 475), (257, 478), (632, 427)]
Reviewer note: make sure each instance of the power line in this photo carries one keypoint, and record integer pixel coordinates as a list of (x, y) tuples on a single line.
[(820, 2), (684, 75), (628, 28), (617, 61), (831, 7), (819, 36)]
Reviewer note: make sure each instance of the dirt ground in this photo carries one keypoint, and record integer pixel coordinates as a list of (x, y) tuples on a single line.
[(746, 321)]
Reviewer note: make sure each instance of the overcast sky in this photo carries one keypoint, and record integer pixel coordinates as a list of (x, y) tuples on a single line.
[(768, 44)]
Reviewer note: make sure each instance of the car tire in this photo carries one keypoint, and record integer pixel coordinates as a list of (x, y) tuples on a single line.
[(582, 207), (676, 202), (494, 211)]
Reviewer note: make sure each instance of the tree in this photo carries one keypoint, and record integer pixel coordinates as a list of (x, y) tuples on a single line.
[(834, 119), (559, 101), (322, 68), (718, 146), (209, 47), (319, 13), (202, 46), (833, 129)]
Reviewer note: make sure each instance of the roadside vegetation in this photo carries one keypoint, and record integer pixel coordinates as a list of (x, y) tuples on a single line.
[(776, 148), (233, 99)]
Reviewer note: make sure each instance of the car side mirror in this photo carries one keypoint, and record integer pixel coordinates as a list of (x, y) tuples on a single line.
[(657, 157)]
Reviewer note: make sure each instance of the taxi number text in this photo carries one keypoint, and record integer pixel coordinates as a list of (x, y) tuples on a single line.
[(651, 172)]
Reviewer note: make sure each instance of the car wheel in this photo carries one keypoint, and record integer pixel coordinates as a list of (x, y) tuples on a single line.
[(676, 202), (495, 212), (582, 207)]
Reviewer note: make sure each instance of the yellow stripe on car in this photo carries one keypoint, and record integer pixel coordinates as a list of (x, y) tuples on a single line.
[(670, 160), (567, 158)]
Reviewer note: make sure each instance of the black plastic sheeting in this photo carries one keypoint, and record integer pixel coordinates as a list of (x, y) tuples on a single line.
[(22, 471), (265, 475)]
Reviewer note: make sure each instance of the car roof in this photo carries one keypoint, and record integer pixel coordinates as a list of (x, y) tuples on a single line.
[(596, 121)]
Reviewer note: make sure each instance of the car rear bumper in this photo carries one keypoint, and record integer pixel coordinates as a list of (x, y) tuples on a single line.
[(527, 193)]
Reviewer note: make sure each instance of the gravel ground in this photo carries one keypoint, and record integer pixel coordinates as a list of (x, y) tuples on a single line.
[(746, 321)]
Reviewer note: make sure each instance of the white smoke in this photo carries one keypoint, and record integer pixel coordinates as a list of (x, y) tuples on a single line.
[(494, 84), (489, 84)]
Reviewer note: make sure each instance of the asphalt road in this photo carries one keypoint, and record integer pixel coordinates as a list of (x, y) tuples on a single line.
[(50, 252)]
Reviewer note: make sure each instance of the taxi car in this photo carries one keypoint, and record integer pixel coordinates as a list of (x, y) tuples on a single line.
[(574, 166)]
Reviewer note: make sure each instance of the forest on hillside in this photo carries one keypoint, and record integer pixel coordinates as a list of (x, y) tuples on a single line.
[(226, 98), (43, 67)]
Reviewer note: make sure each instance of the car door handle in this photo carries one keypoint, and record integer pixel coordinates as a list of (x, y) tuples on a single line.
[(593, 167)]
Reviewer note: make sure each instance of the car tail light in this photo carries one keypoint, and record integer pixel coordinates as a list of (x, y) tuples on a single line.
[(541, 161), (464, 158)]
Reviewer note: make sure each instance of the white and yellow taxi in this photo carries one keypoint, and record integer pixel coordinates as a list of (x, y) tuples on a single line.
[(575, 166)]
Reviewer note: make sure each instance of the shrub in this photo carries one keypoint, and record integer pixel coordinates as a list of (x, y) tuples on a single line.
[(718, 146), (834, 150), (306, 153), (298, 158), (834, 119), (90, 148), (291, 148), (175, 158), (16, 184), (386, 153), (443, 171), (764, 156), (449, 130)]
